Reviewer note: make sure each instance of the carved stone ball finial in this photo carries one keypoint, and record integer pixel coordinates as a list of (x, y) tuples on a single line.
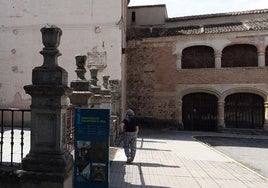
[(51, 36)]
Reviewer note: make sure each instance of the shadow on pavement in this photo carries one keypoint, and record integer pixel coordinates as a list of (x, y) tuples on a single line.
[(231, 141), (119, 176)]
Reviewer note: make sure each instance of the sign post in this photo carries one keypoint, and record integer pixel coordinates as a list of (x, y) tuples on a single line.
[(91, 167)]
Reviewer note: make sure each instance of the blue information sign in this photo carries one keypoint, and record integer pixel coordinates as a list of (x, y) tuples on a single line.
[(91, 164)]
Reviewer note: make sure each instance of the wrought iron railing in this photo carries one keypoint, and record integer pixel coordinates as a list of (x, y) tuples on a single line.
[(70, 120), (12, 122), (15, 123)]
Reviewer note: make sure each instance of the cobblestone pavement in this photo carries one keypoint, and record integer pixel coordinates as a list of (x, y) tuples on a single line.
[(175, 159)]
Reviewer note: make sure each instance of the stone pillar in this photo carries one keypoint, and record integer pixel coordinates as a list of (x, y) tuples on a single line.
[(221, 123), (115, 97), (178, 61), (95, 100), (115, 110), (105, 82), (265, 126), (217, 55), (179, 111), (106, 93), (48, 163), (261, 58), (81, 94)]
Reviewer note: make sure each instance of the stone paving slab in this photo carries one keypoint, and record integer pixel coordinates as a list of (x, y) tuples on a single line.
[(243, 150), (175, 159), (169, 159)]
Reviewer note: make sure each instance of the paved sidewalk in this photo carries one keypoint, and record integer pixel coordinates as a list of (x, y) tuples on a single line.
[(174, 159), (168, 159)]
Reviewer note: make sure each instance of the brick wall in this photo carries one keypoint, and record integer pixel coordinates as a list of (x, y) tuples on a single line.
[(152, 77)]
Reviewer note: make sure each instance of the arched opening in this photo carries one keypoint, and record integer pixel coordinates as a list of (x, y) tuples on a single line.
[(244, 111), (198, 57), (240, 55), (199, 112)]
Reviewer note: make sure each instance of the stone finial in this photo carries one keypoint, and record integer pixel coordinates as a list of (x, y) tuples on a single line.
[(94, 75), (114, 85), (51, 39), (51, 36), (105, 81), (81, 63)]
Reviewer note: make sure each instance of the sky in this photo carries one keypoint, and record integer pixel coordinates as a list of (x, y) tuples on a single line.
[(178, 8)]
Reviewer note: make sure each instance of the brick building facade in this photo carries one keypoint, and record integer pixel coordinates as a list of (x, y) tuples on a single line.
[(203, 72)]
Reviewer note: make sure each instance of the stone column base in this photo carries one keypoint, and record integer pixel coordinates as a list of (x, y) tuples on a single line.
[(48, 163), (46, 180)]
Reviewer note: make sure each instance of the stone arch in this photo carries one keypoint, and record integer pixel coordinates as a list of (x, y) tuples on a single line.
[(252, 90), (200, 43), (199, 111), (199, 90), (182, 92), (232, 56), (244, 110), (199, 56), (240, 43), (261, 112)]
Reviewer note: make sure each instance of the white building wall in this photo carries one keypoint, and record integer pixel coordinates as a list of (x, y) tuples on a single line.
[(154, 15), (87, 25)]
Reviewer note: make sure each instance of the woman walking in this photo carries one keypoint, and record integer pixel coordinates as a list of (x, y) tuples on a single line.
[(130, 128)]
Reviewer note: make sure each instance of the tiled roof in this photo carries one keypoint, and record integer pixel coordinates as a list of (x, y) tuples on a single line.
[(185, 18), (256, 25)]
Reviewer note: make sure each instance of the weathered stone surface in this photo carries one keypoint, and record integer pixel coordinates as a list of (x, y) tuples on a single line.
[(49, 91)]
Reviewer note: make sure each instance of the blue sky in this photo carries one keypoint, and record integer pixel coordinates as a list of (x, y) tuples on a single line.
[(177, 8)]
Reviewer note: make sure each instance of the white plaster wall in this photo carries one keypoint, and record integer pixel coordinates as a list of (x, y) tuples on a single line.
[(147, 15), (20, 39)]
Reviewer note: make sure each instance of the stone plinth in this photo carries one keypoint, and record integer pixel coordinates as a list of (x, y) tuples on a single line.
[(80, 98), (80, 85), (81, 94), (95, 101)]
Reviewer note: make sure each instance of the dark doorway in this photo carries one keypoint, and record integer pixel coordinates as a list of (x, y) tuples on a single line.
[(244, 111), (199, 112)]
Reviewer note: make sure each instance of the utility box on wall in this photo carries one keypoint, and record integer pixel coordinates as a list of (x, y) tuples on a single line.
[(91, 167)]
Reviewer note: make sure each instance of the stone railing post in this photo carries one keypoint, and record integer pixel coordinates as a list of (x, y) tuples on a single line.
[(105, 93), (49, 163), (81, 94), (115, 97), (115, 108), (95, 100)]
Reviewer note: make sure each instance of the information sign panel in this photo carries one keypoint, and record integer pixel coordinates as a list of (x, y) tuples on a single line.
[(91, 166)]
